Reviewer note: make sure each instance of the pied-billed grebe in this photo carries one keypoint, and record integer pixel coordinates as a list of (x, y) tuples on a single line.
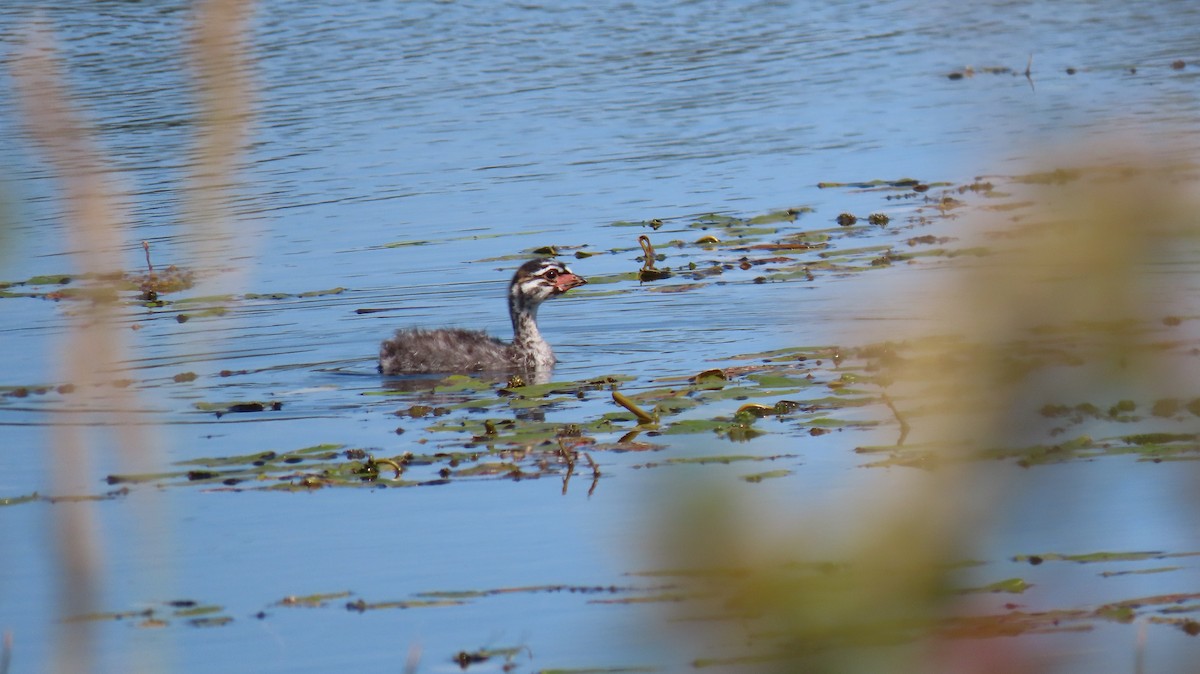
[(455, 350)]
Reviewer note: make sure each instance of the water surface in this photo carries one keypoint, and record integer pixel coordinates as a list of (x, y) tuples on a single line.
[(477, 132)]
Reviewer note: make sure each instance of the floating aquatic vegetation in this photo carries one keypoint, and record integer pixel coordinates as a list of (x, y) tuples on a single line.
[(465, 659), (1101, 557), (649, 272), (1007, 586), (462, 429), (759, 477), (36, 497), (18, 500), (312, 600), (184, 611), (281, 296), (1154, 448), (152, 283), (362, 606)]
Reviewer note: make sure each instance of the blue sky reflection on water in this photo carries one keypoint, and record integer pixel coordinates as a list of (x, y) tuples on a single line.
[(440, 122)]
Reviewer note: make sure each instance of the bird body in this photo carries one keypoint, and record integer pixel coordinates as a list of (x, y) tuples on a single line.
[(451, 350)]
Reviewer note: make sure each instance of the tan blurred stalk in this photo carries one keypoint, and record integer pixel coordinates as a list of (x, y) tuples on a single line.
[(91, 357), (94, 354), (221, 65), (861, 585)]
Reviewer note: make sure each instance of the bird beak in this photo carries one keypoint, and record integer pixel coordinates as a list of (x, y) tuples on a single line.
[(565, 282)]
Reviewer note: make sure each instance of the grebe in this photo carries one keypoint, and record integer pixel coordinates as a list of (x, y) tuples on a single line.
[(455, 350)]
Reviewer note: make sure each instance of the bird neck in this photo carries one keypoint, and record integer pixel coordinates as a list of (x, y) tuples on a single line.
[(527, 339)]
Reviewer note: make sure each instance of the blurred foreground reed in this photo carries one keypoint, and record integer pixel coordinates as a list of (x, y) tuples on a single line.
[(94, 355), (1072, 303)]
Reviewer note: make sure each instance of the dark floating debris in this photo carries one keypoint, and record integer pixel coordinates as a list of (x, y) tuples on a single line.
[(1178, 64), (246, 407), (846, 219), (988, 70), (221, 409), (903, 183)]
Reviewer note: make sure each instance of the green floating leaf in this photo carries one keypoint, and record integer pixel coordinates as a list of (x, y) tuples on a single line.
[(657, 598), (1008, 585), (1159, 438), (461, 382), (47, 279), (193, 611), (18, 500), (1093, 557), (322, 293), (215, 621), (312, 600), (110, 615), (759, 477), (723, 460), (793, 382), (1016, 623), (135, 478), (402, 244), (362, 606), (1138, 572), (492, 468), (205, 299), (718, 219)]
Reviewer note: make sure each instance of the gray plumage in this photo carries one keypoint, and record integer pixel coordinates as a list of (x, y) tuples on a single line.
[(455, 350)]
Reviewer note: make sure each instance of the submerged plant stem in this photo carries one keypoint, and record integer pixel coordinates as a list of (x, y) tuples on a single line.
[(904, 427), (643, 417)]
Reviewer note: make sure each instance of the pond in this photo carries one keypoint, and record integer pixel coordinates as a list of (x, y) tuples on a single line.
[(296, 511)]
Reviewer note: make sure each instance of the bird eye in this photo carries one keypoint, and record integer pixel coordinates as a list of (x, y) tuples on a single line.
[(551, 274)]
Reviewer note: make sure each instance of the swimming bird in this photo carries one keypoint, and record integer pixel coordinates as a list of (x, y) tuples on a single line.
[(451, 350)]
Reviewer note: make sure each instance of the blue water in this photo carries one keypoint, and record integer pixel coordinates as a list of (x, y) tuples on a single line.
[(487, 130)]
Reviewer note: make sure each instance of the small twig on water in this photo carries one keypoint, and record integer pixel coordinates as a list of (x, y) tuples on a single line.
[(146, 247)]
